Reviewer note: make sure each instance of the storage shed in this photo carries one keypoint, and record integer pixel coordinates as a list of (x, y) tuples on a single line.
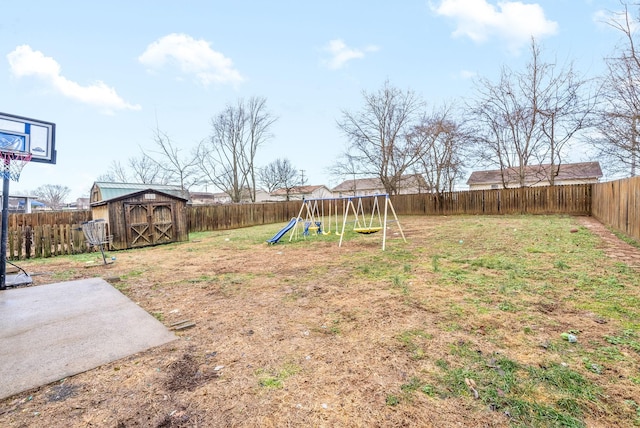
[(139, 215)]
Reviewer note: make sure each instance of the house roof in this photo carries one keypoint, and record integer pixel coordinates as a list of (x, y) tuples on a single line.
[(360, 184), (298, 190), (537, 173), (110, 191), (208, 195), (410, 180)]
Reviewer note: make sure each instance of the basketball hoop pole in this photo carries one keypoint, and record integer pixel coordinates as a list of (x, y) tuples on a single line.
[(5, 226)]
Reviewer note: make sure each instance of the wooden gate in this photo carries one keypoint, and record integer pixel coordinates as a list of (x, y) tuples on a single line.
[(149, 223)]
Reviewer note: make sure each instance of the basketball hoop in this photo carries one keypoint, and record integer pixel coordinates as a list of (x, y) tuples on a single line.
[(13, 164), (22, 140)]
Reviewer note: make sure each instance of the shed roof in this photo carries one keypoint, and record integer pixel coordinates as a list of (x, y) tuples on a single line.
[(110, 190), (537, 173), (129, 195)]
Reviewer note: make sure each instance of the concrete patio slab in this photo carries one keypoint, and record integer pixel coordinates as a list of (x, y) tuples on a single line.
[(52, 331)]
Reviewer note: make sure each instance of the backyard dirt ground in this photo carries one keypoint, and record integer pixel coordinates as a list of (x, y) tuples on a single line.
[(292, 335)]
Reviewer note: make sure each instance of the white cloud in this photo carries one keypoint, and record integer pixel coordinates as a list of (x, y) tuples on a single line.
[(192, 57), (466, 74), (341, 53), (513, 21), (25, 62)]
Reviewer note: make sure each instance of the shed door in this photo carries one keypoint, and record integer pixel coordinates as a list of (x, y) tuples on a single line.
[(149, 223)]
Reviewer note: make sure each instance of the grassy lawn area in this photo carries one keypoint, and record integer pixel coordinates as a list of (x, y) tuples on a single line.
[(475, 321)]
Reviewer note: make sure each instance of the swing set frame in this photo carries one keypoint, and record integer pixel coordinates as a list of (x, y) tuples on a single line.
[(364, 223)]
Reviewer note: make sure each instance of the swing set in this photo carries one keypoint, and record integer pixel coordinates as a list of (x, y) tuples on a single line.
[(311, 218)]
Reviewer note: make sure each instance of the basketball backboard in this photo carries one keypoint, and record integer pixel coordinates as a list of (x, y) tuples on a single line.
[(21, 134)]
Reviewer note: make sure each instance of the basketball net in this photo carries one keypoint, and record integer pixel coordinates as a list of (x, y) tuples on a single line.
[(13, 164)]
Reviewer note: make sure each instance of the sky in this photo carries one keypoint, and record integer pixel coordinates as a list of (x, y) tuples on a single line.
[(109, 74)]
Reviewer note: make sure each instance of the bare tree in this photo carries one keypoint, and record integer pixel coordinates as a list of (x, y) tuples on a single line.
[(227, 158), (507, 129), (53, 195), (565, 108), (145, 170), (173, 165), (279, 173), (141, 169), (616, 138), (269, 177), (220, 158), (530, 117), (344, 168), (259, 122), (444, 142), (377, 135), (115, 173)]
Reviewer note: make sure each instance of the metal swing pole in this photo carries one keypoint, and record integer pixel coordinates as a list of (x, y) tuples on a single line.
[(384, 225), (295, 228), (344, 219), (5, 226)]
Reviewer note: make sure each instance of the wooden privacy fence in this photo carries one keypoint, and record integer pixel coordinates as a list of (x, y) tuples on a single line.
[(46, 234), (617, 204), (203, 218), (45, 240), (571, 199), (49, 217)]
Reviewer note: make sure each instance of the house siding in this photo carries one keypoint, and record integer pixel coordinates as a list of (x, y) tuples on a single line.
[(490, 186)]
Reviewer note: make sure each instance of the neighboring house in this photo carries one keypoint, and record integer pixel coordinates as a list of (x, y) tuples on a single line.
[(82, 203), (23, 203), (79, 204), (302, 192), (409, 184), (262, 196), (536, 175), (205, 198)]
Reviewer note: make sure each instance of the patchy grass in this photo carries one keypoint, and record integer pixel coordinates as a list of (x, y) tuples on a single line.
[(275, 378), (626, 238), (467, 324)]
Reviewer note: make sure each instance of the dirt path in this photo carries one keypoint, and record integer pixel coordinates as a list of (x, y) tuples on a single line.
[(613, 246)]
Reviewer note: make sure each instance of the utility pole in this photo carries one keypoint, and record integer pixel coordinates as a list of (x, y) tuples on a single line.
[(302, 179)]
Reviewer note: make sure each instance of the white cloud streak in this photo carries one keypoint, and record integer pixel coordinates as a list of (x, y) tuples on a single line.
[(513, 21), (341, 53), (26, 62), (192, 57), (466, 74)]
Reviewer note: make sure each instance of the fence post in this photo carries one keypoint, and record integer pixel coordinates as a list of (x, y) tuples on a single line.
[(46, 240), (28, 236), (20, 242), (11, 243), (37, 241)]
